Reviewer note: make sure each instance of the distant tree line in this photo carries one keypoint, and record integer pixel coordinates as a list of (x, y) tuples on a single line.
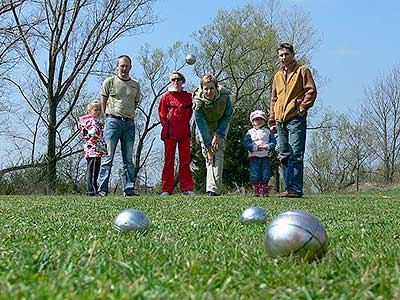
[(53, 53), (362, 146)]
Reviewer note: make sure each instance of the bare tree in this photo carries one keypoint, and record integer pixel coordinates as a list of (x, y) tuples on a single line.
[(7, 40), (295, 27), (8, 57), (63, 41), (338, 154), (382, 114), (357, 146), (6, 5), (325, 169)]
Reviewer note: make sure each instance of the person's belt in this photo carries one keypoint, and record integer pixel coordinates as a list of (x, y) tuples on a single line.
[(119, 118)]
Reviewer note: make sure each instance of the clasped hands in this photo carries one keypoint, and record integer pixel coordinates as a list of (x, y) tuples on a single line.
[(263, 147)]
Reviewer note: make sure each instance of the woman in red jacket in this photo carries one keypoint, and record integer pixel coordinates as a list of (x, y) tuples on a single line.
[(175, 112)]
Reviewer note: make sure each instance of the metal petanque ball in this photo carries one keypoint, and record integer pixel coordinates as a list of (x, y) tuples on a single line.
[(253, 214), (131, 219), (190, 59), (296, 232)]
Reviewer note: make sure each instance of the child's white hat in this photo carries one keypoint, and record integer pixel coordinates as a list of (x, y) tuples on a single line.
[(257, 114)]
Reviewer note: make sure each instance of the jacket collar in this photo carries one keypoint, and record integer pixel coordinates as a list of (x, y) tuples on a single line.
[(172, 89), (290, 67)]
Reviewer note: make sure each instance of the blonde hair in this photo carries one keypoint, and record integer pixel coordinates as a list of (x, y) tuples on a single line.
[(179, 74), (92, 104), (209, 78)]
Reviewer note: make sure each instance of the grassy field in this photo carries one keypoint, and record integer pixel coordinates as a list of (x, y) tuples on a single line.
[(65, 247)]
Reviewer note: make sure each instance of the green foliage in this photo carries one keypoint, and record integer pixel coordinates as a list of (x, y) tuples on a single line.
[(32, 181), (239, 47), (196, 248), (198, 161), (24, 182), (236, 167)]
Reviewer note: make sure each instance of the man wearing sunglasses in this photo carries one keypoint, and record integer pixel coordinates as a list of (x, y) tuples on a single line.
[(293, 94)]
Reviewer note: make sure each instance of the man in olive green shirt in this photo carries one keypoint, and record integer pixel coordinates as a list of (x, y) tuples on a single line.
[(120, 96)]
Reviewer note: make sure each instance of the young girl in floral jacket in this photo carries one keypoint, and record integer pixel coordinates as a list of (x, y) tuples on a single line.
[(95, 146)]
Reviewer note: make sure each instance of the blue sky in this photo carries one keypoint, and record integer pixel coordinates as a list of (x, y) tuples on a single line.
[(359, 39)]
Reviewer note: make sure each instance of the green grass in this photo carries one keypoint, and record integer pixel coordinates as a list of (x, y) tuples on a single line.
[(65, 247)]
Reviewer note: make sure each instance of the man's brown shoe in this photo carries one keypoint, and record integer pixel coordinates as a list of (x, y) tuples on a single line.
[(294, 195), (290, 195)]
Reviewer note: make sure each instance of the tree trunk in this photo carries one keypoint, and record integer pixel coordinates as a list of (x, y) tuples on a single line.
[(51, 149), (358, 177)]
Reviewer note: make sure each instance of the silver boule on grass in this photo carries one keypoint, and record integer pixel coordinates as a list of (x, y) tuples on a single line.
[(296, 232), (253, 214), (131, 220), (190, 59)]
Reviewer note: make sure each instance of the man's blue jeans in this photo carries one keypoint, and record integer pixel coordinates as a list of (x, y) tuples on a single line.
[(124, 131), (291, 144)]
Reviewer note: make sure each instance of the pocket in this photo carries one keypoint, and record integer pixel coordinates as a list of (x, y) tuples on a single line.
[(110, 126)]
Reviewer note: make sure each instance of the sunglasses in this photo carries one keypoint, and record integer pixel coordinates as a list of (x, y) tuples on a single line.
[(177, 79)]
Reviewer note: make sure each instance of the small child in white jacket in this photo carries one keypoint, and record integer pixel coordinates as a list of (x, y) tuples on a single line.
[(259, 141)]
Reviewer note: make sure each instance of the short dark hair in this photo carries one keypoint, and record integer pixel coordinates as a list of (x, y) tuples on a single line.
[(124, 56), (286, 46)]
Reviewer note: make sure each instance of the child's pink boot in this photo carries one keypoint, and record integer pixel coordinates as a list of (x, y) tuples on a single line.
[(256, 188), (265, 189)]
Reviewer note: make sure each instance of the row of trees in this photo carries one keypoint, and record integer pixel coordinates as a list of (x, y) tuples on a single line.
[(362, 146), (63, 47)]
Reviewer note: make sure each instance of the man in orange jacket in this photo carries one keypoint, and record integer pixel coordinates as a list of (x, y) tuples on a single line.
[(293, 94)]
